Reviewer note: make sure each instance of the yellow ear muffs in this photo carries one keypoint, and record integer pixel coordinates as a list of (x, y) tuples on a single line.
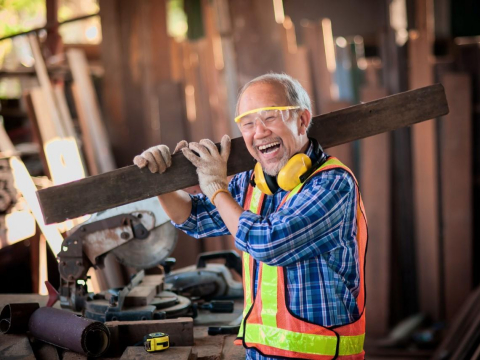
[(289, 177), (260, 180)]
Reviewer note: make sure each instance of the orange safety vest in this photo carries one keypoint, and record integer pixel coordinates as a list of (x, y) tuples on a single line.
[(270, 327)]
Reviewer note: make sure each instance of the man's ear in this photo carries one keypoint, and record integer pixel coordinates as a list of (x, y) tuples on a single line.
[(304, 120)]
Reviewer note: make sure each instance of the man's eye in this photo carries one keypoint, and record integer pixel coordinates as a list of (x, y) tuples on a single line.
[(247, 124), (271, 118)]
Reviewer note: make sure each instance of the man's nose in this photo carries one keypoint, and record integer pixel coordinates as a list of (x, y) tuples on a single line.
[(260, 129)]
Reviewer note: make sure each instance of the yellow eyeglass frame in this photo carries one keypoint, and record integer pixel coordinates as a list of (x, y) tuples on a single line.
[(237, 119)]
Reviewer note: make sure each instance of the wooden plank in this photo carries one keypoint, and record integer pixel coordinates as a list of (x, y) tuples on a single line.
[(154, 280), (130, 184), (425, 170), (314, 39), (88, 111), (128, 333), (256, 39), (376, 192), (140, 296), (206, 346), (457, 191), (44, 80), (173, 353)]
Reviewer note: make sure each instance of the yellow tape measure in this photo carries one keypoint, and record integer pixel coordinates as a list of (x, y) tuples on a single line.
[(156, 342)]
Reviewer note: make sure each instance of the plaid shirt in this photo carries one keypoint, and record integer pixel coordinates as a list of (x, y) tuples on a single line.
[(312, 236)]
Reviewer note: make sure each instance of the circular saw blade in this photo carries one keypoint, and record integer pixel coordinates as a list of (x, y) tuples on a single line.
[(149, 252)]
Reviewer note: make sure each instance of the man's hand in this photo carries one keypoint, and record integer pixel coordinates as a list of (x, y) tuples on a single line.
[(211, 165), (158, 158)]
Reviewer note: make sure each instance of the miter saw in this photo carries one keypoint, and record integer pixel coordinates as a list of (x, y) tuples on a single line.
[(139, 234)]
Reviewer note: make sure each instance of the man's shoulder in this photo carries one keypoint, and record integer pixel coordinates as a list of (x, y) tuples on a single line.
[(334, 179)]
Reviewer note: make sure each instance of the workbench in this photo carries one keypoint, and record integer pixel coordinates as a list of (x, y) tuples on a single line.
[(205, 347)]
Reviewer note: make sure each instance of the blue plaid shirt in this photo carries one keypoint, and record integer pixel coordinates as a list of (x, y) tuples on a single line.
[(312, 236)]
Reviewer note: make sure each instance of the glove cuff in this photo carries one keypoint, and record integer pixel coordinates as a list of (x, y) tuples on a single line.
[(212, 188)]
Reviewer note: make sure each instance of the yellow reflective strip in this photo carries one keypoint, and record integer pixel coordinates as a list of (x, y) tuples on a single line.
[(247, 281), (246, 291), (269, 295), (303, 343), (255, 201), (266, 108), (350, 345), (291, 341)]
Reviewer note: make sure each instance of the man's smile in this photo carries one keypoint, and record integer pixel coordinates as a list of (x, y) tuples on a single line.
[(269, 150)]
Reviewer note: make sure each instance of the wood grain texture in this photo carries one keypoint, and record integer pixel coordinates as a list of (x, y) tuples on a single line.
[(131, 184), (457, 192)]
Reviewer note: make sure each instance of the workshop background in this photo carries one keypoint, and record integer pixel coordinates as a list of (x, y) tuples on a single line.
[(114, 77)]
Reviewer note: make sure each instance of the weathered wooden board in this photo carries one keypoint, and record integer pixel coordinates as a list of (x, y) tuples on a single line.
[(130, 184), (173, 353), (457, 191)]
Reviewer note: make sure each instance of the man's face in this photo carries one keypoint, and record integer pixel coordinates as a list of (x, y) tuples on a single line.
[(274, 145)]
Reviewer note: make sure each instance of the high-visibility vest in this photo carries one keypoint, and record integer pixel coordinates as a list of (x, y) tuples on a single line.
[(271, 328)]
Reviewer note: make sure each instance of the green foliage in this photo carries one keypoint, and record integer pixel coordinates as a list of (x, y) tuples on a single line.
[(20, 15)]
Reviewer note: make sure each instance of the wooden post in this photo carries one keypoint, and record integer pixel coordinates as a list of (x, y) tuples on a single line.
[(425, 170), (457, 191), (256, 39), (375, 184), (136, 54), (403, 290), (314, 35)]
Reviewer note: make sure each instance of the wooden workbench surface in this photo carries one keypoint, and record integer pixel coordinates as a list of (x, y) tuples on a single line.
[(205, 347)]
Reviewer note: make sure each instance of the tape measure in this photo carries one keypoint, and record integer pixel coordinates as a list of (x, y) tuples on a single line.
[(156, 342)]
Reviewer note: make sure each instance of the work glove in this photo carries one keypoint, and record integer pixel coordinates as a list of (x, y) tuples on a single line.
[(211, 165), (158, 158)]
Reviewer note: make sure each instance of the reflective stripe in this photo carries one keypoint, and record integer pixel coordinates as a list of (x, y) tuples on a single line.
[(255, 202), (302, 343), (247, 277), (246, 291), (268, 292)]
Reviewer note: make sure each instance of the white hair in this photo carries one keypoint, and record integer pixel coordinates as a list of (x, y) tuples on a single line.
[(294, 92)]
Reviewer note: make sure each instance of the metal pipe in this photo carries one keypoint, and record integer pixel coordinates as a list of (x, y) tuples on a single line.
[(14, 317), (70, 331)]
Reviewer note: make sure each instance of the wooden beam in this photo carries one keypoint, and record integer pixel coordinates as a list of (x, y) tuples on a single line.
[(457, 191), (130, 184)]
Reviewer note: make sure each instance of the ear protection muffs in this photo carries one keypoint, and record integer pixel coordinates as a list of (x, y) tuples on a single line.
[(295, 171)]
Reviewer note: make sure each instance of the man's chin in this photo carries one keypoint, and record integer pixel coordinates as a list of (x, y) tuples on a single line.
[(273, 169)]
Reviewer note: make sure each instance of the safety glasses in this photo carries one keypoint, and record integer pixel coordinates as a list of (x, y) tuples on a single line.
[(268, 116)]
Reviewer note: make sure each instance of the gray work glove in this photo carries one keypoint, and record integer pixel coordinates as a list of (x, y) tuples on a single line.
[(158, 158), (211, 165)]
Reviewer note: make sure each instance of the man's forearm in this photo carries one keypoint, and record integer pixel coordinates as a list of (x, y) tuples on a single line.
[(177, 205), (229, 210)]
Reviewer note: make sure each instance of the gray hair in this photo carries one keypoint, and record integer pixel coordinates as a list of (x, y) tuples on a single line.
[(295, 93)]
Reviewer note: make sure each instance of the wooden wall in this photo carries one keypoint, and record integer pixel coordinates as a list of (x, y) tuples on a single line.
[(159, 90)]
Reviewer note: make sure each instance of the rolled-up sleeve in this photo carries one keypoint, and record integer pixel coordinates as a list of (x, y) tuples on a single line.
[(309, 224), (205, 220)]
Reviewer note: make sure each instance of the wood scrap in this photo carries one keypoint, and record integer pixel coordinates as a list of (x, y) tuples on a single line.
[(154, 280), (130, 184), (140, 295)]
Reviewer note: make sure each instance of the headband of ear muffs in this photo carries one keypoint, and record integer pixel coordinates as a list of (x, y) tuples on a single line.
[(295, 171)]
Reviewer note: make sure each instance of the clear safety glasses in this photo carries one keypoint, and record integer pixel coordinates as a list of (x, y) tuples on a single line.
[(268, 116)]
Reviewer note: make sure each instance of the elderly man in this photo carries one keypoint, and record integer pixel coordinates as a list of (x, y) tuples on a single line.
[(298, 218)]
